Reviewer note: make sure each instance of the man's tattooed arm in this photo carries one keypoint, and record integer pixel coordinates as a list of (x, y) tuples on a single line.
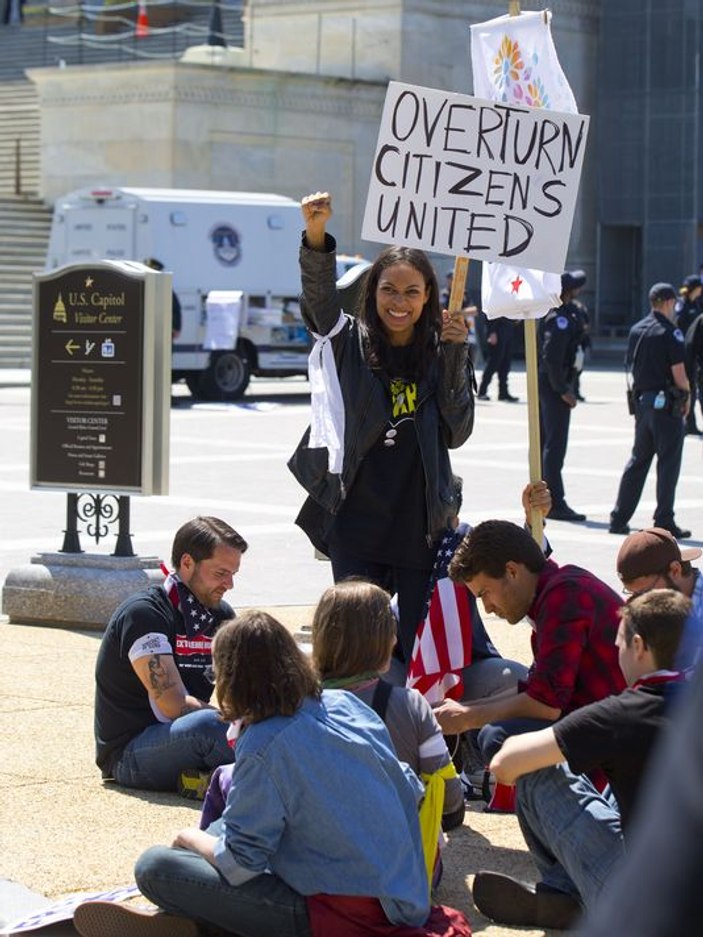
[(159, 677), (162, 681)]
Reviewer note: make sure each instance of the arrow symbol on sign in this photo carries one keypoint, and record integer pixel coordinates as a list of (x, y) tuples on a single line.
[(89, 346), (71, 346)]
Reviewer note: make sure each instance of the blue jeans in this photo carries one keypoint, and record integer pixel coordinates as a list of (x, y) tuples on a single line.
[(573, 832), (493, 734), (154, 759), (486, 677), (182, 882), (491, 675)]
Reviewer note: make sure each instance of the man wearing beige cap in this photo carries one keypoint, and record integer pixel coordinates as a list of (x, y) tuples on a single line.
[(652, 559)]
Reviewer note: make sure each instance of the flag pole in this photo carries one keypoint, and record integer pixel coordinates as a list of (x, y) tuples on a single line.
[(534, 445), (456, 296)]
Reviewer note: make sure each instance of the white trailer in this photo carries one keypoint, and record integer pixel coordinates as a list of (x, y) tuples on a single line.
[(241, 242)]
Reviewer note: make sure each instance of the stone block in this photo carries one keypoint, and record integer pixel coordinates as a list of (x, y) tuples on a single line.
[(79, 590)]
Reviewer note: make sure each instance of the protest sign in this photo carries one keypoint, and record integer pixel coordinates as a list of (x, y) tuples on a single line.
[(465, 176)]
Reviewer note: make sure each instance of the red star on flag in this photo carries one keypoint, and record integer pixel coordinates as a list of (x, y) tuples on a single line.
[(516, 284)]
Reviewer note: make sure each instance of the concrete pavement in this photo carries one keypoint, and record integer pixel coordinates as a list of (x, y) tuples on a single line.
[(63, 830), (231, 460)]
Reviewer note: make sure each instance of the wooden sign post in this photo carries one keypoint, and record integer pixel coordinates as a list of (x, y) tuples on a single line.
[(534, 441)]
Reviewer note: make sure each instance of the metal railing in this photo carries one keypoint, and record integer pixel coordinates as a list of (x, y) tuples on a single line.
[(83, 33), (18, 166)]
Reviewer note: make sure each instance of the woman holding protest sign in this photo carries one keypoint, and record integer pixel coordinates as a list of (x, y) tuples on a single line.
[(391, 394)]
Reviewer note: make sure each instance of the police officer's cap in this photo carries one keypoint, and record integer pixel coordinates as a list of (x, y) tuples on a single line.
[(660, 292), (572, 280), (692, 282)]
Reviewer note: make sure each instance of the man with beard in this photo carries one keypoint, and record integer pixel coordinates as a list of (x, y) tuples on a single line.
[(154, 726)]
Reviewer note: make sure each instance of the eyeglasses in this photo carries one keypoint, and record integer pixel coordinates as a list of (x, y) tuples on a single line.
[(631, 594), (209, 674)]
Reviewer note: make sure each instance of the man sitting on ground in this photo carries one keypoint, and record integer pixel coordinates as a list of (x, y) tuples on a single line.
[(575, 833), (153, 720), (650, 559), (574, 619)]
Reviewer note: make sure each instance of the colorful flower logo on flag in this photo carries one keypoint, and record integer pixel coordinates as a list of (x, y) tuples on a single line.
[(536, 95), (511, 74), (507, 65)]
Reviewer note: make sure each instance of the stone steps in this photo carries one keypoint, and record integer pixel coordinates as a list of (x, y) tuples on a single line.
[(46, 39), (24, 238), (19, 138)]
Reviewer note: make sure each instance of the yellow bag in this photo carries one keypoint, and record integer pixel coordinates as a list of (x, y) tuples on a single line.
[(430, 814)]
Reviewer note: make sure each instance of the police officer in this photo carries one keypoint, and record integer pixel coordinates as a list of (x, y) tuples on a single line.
[(498, 355), (560, 333), (176, 317), (686, 312), (655, 354)]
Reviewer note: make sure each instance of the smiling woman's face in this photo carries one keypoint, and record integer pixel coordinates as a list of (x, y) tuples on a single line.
[(401, 295)]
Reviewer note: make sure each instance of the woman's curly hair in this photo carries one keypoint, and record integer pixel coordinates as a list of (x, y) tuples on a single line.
[(259, 669)]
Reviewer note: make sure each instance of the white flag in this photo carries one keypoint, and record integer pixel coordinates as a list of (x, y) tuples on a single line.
[(518, 293), (514, 61)]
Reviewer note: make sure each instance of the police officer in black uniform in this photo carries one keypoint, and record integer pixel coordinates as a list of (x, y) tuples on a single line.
[(498, 357), (176, 316), (687, 310), (560, 333), (655, 354)]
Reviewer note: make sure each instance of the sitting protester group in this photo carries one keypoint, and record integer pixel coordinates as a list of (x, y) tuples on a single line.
[(278, 850), (328, 784)]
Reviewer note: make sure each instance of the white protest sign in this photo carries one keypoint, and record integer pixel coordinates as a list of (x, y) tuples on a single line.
[(459, 175)]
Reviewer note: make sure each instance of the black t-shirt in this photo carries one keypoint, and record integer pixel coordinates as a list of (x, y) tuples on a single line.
[(122, 706), (617, 735), (685, 314), (654, 346), (559, 334), (384, 516)]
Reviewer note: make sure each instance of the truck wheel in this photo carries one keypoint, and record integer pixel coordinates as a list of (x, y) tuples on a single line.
[(227, 377), (192, 379)]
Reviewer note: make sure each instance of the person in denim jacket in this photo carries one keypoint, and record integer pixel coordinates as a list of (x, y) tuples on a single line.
[(319, 805)]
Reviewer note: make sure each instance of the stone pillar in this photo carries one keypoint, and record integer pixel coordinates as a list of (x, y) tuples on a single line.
[(399, 40)]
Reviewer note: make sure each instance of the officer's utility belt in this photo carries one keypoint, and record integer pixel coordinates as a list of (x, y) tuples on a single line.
[(670, 399), (647, 397)]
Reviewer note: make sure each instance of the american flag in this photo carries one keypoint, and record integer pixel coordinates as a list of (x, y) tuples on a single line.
[(444, 637), (196, 617)]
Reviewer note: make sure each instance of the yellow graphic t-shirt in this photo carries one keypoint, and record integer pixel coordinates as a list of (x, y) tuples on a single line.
[(404, 399)]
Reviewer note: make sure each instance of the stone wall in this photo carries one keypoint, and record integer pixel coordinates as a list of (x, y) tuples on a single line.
[(170, 124), (298, 110)]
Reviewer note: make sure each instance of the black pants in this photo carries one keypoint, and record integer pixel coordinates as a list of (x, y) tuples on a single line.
[(695, 380), (657, 433), (498, 360), (554, 419), (410, 585)]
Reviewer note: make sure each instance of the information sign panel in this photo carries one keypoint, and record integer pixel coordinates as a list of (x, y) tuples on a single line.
[(92, 395)]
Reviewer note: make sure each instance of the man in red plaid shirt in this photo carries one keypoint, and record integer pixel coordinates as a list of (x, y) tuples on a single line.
[(574, 618)]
